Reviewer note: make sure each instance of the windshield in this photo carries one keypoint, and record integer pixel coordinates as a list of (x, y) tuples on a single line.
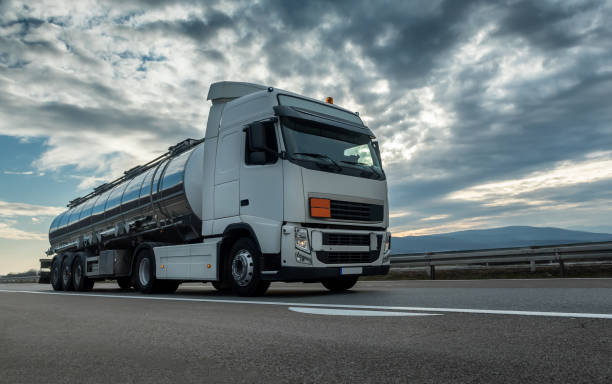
[(331, 149)]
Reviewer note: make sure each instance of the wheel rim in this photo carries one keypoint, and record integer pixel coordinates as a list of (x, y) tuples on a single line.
[(78, 273), (144, 272), (66, 274), (242, 267)]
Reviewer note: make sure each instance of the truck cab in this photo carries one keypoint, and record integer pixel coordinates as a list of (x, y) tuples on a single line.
[(303, 178)]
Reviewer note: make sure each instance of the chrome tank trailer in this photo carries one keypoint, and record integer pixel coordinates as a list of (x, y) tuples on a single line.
[(161, 200)]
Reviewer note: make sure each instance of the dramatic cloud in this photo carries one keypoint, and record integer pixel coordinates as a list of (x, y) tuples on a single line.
[(8, 209), (488, 113), (10, 233)]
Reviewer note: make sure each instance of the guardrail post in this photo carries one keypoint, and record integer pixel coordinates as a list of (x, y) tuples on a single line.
[(561, 264), (432, 272)]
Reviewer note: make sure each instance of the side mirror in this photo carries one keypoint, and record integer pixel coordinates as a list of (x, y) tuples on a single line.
[(257, 136), (257, 158)]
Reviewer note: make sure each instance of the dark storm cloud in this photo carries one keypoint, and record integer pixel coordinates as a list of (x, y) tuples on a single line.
[(417, 39), (193, 27), (546, 25), (67, 118)]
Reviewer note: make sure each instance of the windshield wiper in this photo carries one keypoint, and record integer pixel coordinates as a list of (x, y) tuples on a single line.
[(320, 156), (371, 168)]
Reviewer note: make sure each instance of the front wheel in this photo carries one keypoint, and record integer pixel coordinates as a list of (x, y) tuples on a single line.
[(339, 284), (245, 275)]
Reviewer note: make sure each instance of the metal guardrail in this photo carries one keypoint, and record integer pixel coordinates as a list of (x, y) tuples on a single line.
[(552, 253), (18, 279)]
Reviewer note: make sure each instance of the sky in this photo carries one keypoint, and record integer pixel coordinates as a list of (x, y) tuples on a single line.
[(488, 113)]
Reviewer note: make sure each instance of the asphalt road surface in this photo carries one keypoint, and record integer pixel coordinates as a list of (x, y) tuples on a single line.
[(484, 331)]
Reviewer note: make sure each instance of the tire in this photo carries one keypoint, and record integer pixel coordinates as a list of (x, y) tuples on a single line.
[(145, 272), (244, 265), (222, 286), (56, 274), (340, 284), (67, 282), (124, 283), (80, 282)]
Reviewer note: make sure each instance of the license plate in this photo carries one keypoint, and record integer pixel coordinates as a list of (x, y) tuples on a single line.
[(351, 270)]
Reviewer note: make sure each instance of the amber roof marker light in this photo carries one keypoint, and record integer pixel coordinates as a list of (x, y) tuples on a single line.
[(329, 100)]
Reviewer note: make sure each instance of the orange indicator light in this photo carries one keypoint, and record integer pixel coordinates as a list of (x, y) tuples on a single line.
[(329, 100), (319, 207)]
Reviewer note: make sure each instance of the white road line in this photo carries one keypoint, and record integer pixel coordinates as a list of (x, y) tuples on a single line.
[(357, 312), (314, 305)]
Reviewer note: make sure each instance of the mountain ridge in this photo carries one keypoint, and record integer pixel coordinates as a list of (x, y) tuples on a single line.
[(491, 238)]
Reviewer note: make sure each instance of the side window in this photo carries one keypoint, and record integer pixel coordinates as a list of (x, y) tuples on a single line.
[(270, 143)]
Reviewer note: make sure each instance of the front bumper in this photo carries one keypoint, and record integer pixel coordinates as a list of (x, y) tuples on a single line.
[(330, 250), (289, 274)]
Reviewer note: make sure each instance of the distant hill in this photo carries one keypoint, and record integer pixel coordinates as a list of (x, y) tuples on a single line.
[(506, 237)]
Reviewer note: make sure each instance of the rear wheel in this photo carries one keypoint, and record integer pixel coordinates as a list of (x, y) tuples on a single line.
[(339, 284), (56, 274), (245, 275), (125, 283), (145, 272), (79, 280), (67, 282)]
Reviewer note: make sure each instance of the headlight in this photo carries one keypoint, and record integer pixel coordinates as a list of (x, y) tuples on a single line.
[(301, 240), (387, 248), (387, 242)]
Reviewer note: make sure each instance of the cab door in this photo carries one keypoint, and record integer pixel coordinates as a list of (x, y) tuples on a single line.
[(261, 191)]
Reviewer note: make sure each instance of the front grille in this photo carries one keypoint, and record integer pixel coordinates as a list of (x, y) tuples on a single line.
[(348, 210), (345, 239), (347, 257)]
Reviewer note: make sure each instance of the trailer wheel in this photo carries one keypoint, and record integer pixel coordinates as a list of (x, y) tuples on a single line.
[(67, 282), (340, 283), (124, 283), (246, 278), (56, 274), (79, 280), (145, 272)]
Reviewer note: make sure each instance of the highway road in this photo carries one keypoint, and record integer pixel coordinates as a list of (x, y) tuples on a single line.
[(480, 331)]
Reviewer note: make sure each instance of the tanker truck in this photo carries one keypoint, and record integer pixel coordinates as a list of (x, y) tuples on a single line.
[(281, 188)]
